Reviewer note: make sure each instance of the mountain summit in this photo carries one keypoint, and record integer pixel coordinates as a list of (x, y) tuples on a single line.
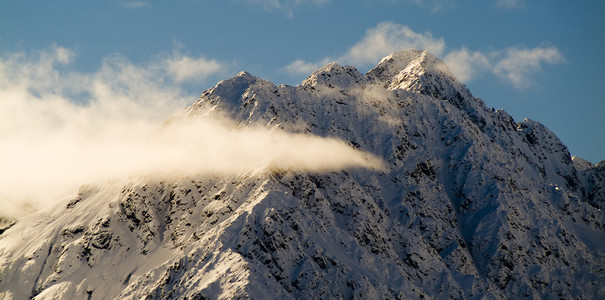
[(470, 205)]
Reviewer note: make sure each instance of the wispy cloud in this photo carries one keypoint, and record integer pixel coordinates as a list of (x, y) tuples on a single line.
[(287, 6), (466, 64), (387, 37), (61, 128), (434, 6), (378, 42), (431, 6), (302, 67), (184, 68), (516, 65), (134, 4), (510, 4)]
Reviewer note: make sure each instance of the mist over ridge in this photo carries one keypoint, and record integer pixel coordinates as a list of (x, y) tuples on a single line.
[(397, 183), (52, 140)]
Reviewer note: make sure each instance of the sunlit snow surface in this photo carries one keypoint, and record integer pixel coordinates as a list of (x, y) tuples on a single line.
[(471, 205)]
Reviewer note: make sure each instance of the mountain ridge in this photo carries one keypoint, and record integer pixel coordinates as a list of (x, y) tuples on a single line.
[(471, 205)]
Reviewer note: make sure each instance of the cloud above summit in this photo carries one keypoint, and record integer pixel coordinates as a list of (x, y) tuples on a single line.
[(388, 37), (378, 42), (515, 65), (61, 128)]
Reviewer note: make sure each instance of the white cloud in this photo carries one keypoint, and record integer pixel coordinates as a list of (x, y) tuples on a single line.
[(510, 4), (378, 42), (305, 68), (287, 6), (62, 55), (517, 64), (465, 64), (386, 38), (51, 141), (184, 68), (514, 64), (134, 4), (435, 6)]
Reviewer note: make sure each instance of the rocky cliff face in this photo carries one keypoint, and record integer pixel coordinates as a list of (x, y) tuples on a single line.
[(471, 205)]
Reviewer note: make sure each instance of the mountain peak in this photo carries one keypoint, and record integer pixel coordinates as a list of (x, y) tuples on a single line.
[(228, 91), (246, 75), (242, 78), (424, 70), (334, 74), (427, 62), (392, 64)]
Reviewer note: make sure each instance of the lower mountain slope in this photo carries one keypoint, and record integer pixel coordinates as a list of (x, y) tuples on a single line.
[(471, 205)]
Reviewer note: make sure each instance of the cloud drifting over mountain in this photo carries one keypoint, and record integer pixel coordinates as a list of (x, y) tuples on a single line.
[(388, 37), (515, 65), (61, 128), (378, 42)]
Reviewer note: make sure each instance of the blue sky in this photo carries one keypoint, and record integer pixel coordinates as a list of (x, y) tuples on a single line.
[(541, 60)]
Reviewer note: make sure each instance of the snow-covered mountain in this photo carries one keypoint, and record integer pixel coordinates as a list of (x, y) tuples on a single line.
[(471, 205)]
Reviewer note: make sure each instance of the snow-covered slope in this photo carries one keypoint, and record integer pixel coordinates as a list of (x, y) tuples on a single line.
[(472, 205)]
